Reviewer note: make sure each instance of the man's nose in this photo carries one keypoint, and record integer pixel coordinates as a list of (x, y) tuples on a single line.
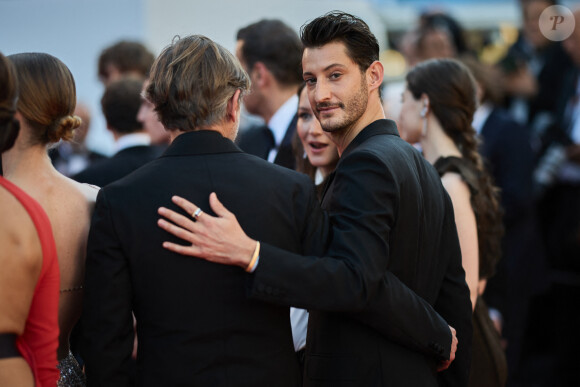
[(322, 91)]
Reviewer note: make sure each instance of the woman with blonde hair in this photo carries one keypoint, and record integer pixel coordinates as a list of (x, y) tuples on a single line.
[(45, 111)]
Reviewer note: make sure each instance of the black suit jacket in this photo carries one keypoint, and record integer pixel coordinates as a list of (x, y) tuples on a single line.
[(392, 221), (195, 325), (122, 163), (257, 141)]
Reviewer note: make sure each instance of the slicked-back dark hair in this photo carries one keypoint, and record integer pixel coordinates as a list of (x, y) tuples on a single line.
[(277, 46), (335, 26)]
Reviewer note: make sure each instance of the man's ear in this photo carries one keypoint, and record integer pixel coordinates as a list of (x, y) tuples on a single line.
[(375, 74), (233, 107), (261, 75)]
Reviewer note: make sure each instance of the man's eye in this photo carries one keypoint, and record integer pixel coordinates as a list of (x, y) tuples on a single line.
[(310, 81), (335, 75)]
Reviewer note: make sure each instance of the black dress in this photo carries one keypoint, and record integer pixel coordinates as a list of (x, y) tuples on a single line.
[(488, 364)]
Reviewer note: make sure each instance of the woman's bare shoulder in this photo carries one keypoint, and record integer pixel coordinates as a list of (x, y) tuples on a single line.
[(18, 235)]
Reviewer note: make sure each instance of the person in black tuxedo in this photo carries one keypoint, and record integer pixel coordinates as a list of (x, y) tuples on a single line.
[(121, 102), (391, 221), (270, 52), (195, 327)]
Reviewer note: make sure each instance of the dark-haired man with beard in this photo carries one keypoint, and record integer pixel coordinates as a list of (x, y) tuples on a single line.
[(392, 225)]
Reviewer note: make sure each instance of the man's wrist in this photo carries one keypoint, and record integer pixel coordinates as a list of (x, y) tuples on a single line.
[(251, 266)]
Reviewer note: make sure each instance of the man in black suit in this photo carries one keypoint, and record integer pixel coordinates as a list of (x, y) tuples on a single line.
[(120, 104), (270, 52), (194, 324), (391, 219)]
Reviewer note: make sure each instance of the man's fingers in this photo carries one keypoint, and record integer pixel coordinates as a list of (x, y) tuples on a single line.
[(443, 365), (183, 250), (177, 231), (188, 206), (180, 220), (217, 206)]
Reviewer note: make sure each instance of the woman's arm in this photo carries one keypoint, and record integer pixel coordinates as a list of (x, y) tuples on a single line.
[(466, 230)]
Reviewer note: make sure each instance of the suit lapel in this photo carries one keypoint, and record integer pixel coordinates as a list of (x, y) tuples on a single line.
[(285, 155)]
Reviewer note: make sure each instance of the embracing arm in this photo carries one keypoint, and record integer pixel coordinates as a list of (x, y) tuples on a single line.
[(107, 318), (353, 274)]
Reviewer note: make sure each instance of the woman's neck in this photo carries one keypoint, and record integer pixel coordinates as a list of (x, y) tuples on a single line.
[(436, 143), (23, 162)]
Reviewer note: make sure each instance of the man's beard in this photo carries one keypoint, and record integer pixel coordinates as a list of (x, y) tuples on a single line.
[(354, 109)]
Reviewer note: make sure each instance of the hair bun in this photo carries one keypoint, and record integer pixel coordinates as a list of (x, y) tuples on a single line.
[(64, 129)]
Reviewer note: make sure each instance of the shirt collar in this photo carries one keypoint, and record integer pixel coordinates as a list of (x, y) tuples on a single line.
[(200, 142), (131, 140), (378, 127), (280, 121), (480, 116)]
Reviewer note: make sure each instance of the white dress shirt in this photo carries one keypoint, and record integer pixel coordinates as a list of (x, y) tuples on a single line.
[(279, 123), (132, 139)]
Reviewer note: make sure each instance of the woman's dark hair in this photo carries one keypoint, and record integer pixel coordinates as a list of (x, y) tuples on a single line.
[(47, 97), (302, 163), (8, 95), (362, 46), (452, 99)]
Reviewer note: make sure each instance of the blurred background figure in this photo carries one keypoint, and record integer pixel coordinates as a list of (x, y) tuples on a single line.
[(558, 177), (71, 157), (45, 109), (440, 36), (438, 108), (534, 70), (29, 279), (150, 121), (437, 35), (124, 58), (271, 53), (120, 103)]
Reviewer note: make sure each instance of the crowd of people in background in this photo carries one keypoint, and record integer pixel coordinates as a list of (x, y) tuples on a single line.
[(502, 139)]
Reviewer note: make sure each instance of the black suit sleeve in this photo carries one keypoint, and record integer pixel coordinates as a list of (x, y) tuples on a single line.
[(353, 276), (107, 319)]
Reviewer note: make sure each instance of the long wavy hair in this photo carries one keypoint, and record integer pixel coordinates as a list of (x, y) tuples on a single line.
[(451, 89)]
